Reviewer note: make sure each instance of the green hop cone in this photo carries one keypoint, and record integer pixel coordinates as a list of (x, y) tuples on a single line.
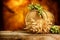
[(37, 7), (31, 6), (55, 29)]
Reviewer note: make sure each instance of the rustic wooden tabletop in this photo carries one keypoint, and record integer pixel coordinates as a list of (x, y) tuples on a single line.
[(17, 35)]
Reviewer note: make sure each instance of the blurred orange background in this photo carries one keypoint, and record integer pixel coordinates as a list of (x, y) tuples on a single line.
[(16, 21)]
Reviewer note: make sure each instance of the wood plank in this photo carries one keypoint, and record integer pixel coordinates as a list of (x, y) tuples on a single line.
[(17, 35)]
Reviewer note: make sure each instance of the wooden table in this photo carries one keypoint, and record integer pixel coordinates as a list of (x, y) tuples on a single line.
[(17, 35)]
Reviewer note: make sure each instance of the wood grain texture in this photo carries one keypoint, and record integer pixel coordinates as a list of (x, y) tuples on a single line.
[(17, 35)]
